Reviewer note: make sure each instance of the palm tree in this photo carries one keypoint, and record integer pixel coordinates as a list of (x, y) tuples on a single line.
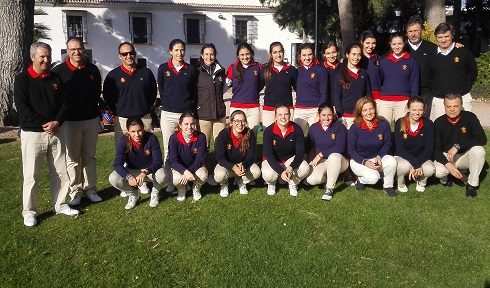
[(40, 30)]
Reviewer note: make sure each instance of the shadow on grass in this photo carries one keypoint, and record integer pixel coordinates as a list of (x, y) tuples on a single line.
[(7, 140)]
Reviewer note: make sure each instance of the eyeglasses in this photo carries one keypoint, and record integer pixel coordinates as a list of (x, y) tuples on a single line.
[(238, 121), (124, 54), (75, 49)]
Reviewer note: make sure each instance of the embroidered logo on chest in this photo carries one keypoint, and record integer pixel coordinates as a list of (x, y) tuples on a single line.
[(274, 142), (312, 75), (380, 137), (194, 150), (56, 87), (463, 130), (123, 80), (147, 152), (456, 59), (404, 67), (167, 73), (228, 146), (332, 136), (255, 73)]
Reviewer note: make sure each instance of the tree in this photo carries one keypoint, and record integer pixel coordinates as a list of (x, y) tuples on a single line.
[(435, 12), (16, 30), (40, 30), (346, 21)]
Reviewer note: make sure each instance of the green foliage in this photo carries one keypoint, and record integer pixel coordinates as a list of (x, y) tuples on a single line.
[(428, 33), (483, 63), (434, 239)]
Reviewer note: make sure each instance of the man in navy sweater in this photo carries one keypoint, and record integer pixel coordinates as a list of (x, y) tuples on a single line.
[(82, 87), (41, 108), (459, 144), (129, 91)]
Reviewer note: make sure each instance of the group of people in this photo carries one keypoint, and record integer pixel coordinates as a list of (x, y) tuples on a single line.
[(345, 108)]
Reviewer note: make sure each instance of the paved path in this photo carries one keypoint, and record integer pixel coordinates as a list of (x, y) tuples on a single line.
[(482, 110)]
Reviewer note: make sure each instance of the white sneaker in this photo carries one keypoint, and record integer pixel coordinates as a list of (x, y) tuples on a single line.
[(181, 196), (92, 195), (271, 190), (76, 200), (242, 188), (68, 211), (196, 193), (123, 194), (293, 190), (144, 188), (328, 194), (132, 200), (170, 188), (223, 191), (30, 220), (420, 188), (402, 189), (154, 199)]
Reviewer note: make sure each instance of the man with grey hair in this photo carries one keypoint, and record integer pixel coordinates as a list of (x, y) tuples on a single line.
[(41, 108)]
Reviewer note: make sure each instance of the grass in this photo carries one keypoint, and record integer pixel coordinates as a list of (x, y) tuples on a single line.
[(438, 238)]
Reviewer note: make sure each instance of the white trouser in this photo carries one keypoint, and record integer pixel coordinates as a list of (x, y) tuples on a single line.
[(392, 110), (221, 174), (118, 182), (371, 176), (201, 176), (270, 175), (208, 127), (403, 167), (305, 117), (328, 170), (473, 160), (168, 123)]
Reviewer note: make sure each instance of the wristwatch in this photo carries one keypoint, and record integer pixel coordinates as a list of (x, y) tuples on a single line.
[(457, 146)]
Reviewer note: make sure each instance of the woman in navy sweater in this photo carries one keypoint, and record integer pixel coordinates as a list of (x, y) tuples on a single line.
[(331, 63), (280, 80), (235, 153), (176, 83), (399, 74), (370, 62), (414, 146), (284, 153), (187, 151), (138, 160), (369, 142), (311, 87), (244, 78), (326, 142), (351, 83)]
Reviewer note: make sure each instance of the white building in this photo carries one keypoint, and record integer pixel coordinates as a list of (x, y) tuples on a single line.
[(152, 24)]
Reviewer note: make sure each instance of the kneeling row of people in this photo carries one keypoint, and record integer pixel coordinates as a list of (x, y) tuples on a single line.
[(368, 141)]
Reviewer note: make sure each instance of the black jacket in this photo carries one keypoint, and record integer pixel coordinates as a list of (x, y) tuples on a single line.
[(210, 86)]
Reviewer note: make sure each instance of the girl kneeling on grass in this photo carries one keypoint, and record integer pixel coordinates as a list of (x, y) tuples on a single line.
[(369, 142), (187, 150), (235, 153), (138, 160), (284, 153), (327, 142), (414, 143)]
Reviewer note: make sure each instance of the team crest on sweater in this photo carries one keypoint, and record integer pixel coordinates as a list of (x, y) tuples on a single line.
[(147, 152), (332, 136), (194, 150), (312, 75), (456, 59), (380, 137), (56, 87), (123, 80), (273, 142), (167, 73), (255, 73), (228, 146), (404, 67), (463, 130)]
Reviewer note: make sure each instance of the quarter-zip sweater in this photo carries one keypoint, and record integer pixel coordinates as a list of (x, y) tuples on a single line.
[(39, 99), (331, 140), (228, 151), (345, 100), (311, 86), (278, 148), (371, 65), (467, 132), (82, 86), (187, 156), (177, 88), (279, 87), (210, 103), (418, 146), (364, 143), (399, 77), (130, 94), (148, 156), (453, 73), (423, 55), (245, 92)]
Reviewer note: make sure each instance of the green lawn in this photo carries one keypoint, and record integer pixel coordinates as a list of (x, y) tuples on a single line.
[(438, 238)]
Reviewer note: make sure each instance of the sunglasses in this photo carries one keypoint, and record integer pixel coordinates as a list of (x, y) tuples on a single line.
[(124, 54)]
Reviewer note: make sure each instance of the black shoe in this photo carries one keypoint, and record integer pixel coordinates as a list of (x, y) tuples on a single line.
[(390, 192), (359, 186), (471, 191)]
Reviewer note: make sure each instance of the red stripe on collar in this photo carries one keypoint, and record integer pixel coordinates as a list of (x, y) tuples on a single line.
[(172, 67), (392, 57), (73, 67), (364, 126), (181, 139), (416, 132), (36, 75), (128, 72), (277, 131)]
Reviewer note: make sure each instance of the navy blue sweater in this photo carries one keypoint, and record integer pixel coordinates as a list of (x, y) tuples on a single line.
[(245, 92), (278, 149), (187, 156), (177, 89), (130, 95), (345, 100), (228, 155), (415, 147), (399, 77), (364, 144), (332, 140), (371, 65), (148, 157), (279, 87), (331, 74), (311, 86)]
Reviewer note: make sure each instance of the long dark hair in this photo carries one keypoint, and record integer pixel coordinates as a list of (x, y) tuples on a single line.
[(246, 132), (239, 67), (326, 105), (305, 46), (398, 35), (328, 44), (405, 121), (132, 121), (270, 63), (345, 79)]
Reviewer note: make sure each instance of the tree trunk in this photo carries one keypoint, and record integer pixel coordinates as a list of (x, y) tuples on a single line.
[(16, 28), (457, 20), (346, 22), (435, 12)]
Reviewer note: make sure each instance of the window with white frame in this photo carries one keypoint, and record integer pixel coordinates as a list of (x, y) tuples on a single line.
[(245, 29), (140, 28), (75, 24), (194, 28)]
